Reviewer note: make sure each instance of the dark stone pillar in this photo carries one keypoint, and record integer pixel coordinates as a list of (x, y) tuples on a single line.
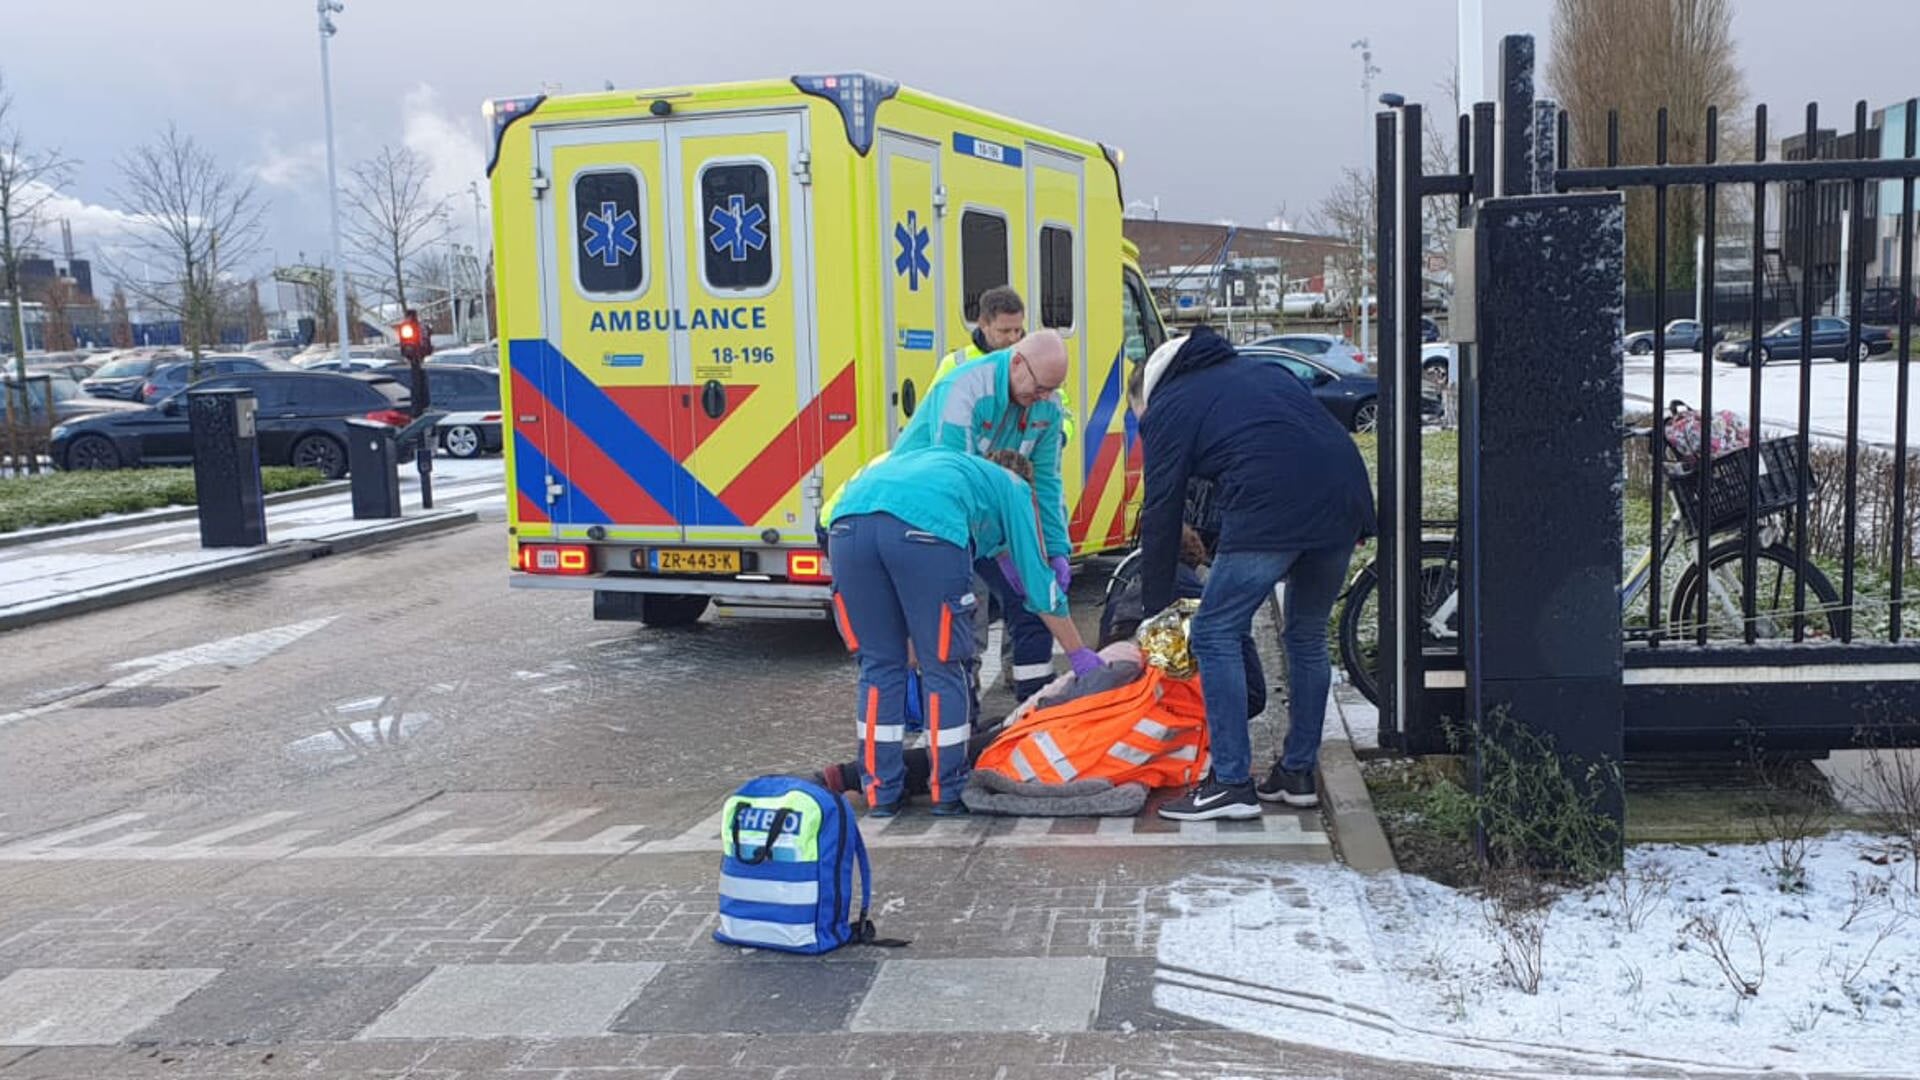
[(1540, 484), (226, 468)]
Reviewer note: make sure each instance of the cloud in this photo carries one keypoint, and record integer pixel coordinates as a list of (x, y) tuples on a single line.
[(94, 226), (303, 166), (452, 145)]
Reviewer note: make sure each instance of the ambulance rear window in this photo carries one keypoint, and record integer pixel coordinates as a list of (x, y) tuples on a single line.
[(983, 257), (608, 218), (736, 209), (1056, 277)]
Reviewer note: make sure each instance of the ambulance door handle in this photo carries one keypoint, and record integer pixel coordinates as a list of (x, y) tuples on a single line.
[(908, 399), (713, 399)]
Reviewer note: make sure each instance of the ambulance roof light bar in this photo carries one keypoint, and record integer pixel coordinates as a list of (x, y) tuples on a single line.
[(500, 113), (857, 95)]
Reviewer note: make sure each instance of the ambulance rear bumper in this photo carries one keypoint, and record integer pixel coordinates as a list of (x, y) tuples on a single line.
[(720, 590)]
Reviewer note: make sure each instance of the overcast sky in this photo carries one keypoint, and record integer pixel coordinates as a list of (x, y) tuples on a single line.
[(1226, 110)]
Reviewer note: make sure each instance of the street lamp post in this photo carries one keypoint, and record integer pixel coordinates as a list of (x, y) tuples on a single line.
[(480, 262), (327, 9), (1367, 72)]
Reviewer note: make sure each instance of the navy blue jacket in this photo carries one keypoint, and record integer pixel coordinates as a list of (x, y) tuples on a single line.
[(1286, 476)]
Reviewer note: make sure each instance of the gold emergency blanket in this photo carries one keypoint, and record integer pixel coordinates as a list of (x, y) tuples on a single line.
[(1163, 639)]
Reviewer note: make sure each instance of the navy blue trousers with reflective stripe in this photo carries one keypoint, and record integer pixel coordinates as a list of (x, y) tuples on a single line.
[(901, 584)]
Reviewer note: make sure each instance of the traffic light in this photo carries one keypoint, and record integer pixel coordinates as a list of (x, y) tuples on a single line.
[(412, 339)]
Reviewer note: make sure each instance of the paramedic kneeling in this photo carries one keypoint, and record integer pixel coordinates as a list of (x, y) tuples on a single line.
[(1293, 500), (902, 542)]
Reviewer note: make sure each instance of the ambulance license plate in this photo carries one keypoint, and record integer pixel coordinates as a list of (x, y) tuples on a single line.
[(695, 561)]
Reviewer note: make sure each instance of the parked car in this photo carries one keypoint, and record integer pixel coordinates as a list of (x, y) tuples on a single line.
[(1683, 335), (1881, 304), (480, 356), (124, 375), (69, 401), (1353, 397), (64, 365), (301, 420), (1829, 339), (327, 357), (1331, 349), (169, 379), (469, 396)]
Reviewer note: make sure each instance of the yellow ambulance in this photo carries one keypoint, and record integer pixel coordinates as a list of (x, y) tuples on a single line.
[(717, 302)]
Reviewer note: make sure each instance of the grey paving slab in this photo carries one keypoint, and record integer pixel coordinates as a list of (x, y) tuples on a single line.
[(273, 1005), (1126, 1000), (783, 997), (1056, 994), (74, 1006), (531, 1000)]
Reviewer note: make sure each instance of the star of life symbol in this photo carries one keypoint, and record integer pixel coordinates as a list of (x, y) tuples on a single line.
[(610, 234), (738, 228), (912, 260)]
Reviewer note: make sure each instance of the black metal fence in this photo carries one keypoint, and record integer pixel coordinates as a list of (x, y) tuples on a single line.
[(1771, 568)]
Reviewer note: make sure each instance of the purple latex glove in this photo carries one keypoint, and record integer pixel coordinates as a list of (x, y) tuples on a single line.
[(1084, 660), (1013, 576), (1062, 572)]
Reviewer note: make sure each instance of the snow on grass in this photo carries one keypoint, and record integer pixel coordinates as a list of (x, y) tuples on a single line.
[(1401, 967)]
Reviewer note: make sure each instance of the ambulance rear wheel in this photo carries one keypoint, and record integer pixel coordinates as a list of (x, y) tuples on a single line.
[(660, 610)]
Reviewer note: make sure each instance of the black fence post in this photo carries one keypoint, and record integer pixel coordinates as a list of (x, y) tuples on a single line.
[(1514, 171), (1540, 500)]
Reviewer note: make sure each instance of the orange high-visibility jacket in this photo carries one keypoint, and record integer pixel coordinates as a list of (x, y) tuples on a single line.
[(1151, 731)]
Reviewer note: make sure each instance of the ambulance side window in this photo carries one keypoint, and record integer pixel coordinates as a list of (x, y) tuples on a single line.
[(1056, 277), (1141, 331), (983, 257), (610, 222), (736, 214)]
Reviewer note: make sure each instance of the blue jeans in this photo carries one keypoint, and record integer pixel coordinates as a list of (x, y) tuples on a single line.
[(1239, 582), (894, 584), (1032, 641)]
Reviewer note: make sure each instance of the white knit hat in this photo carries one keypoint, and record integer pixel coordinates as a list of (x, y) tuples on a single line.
[(1157, 366)]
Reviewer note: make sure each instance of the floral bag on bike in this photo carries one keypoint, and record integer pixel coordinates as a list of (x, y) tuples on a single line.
[(1684, 427)]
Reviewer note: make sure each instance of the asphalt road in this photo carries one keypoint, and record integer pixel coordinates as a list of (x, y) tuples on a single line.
[(381, 812)]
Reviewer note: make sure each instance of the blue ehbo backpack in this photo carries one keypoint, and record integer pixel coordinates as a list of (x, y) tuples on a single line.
[(786, 873)]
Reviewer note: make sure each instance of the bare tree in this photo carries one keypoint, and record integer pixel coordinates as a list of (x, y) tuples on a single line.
[(57, 301), (1637, 57), (119, 323), (388, 217), (192, 219), (1348, 212), (29, 179), (256, 315)]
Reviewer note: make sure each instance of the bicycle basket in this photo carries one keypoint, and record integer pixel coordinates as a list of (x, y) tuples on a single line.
[(1782, 476)]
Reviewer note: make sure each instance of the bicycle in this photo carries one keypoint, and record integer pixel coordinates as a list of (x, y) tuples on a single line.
[(1781, 478)]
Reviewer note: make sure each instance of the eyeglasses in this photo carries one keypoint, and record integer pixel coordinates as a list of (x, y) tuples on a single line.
[(1038, 386)]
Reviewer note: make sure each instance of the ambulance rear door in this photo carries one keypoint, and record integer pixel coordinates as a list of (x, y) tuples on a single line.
[(741, 239), (909, 270), (597, 397)]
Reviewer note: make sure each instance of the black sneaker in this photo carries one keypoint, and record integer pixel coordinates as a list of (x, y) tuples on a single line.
[(1292, 788), (1213, 799)]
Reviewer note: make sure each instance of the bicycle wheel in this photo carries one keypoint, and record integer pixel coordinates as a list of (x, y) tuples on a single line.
[(1774, 571), (1359, 627)]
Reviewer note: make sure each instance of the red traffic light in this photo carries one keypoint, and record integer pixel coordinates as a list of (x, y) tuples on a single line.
[(409, 332)]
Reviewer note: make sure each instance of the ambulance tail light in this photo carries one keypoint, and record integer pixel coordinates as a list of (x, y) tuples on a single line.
[(808, 566), (571, 560)]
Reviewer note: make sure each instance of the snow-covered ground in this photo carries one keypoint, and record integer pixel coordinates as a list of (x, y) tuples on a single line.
[(1411, 970), (1780, 393)]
